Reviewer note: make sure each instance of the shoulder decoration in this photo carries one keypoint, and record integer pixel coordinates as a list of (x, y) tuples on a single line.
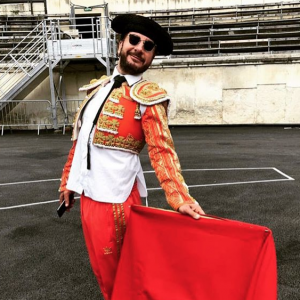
[(95, 83), (148, 93)]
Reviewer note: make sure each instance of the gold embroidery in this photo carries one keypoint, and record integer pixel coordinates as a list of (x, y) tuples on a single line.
[(80, 109), (113, 110), (95, 83), (82, 104), (116, 94), (148, 92), (108, 125), (101, 78), (120, 224), (137, 112), (123, 220), (170, 179), (116, 226), (107, 250), (111, 141)]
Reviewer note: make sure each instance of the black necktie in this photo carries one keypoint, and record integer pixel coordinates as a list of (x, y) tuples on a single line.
[(118, 80)]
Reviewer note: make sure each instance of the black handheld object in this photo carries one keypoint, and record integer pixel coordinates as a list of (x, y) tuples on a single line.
[(61, 209)]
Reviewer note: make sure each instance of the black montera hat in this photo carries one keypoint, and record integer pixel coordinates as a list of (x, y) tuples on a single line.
[(129, 22)]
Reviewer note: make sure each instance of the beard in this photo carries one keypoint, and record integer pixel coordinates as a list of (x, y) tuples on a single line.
[(130, 68)]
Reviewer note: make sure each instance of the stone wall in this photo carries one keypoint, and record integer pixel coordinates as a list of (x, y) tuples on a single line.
[(21, 9), (239, 93), (62, 6), (238, 90)]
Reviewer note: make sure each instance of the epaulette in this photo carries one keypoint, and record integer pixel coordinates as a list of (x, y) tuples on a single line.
[(94, 83), (148, 93)]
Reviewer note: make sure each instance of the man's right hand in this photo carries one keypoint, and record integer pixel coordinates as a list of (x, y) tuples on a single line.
[(68, 196)]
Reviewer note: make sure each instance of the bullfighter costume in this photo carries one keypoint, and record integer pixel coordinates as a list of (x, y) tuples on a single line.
[(132, 115)]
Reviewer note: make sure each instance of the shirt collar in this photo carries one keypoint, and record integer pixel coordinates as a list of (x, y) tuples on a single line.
[(131, 79)]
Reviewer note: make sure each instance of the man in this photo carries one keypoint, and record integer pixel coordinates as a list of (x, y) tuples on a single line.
[(103, 164)]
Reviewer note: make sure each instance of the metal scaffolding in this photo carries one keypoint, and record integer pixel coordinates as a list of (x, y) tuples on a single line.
[(55, 43)]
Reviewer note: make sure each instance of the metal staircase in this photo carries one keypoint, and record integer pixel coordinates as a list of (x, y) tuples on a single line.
[(18, 68), (49, 43)]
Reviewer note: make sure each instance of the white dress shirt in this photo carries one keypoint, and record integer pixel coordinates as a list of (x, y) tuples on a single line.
[(113, 172)]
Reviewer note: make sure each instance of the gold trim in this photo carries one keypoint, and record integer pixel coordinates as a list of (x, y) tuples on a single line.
[(120, 224), (137, 112), (148, 93), (116, 94), (107, 250), (118, 142), (79, 112), (95, 83), (114, 110), (108, 125)]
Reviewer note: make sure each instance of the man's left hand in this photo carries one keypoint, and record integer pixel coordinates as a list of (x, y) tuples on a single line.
[(194, 210)]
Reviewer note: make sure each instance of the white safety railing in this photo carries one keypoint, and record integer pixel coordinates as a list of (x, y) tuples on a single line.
[(48, 43), (23, 61), (29, 114), (35, 114), (85, 37), (66, 111)]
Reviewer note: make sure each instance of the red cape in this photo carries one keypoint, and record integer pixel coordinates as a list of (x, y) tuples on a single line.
[(168, 256)]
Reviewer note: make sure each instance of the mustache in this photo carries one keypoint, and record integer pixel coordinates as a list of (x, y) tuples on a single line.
[(136, 54)]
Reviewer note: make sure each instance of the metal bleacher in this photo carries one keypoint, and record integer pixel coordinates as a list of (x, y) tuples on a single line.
[(14, 30), (215, 31), (44, 43), (31, 47)]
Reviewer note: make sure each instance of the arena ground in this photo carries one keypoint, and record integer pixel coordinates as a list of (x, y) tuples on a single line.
[(246, 173)]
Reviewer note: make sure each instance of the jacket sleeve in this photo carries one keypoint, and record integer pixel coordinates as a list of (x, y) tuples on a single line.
[(66, 169), (163, 157)]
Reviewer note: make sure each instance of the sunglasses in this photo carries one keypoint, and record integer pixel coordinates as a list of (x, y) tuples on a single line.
[(135, 40)]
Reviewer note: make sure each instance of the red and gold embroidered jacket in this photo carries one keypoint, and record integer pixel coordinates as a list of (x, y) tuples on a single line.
[(121, 126)]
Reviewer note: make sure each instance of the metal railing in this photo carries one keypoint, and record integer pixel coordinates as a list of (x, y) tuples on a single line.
[(53, 40), (50, 42), (82, 37), (30, 114), (66, 110), (228, 13), (23, 60), (35, 114)]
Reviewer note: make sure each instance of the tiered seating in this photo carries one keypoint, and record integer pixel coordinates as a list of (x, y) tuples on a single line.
[(232, 29), (264, 36), (14, 29)]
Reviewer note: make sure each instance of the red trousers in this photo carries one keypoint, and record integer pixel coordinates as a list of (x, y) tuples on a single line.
[(104, 226)]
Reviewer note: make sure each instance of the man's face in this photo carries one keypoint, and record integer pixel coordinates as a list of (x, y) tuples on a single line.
[(135, 59)]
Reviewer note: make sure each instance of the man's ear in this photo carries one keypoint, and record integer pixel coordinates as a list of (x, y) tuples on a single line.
[(120, 45)]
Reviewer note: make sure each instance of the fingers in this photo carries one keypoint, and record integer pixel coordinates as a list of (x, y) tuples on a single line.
[(61, 197), (201, 211), (192, 213), (68, 197), (193, 210)]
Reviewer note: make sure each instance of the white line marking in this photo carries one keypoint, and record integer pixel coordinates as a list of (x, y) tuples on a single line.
[(227, 183), (287, 178), (25, 182), (283, 174), (152, 171), (220, 169), (31, 204)]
